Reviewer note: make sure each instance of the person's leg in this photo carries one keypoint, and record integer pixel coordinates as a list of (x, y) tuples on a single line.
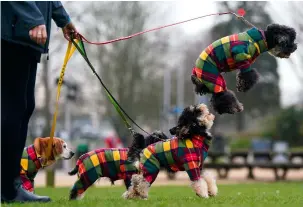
[(30, 103), (14, 79), (18, 70)]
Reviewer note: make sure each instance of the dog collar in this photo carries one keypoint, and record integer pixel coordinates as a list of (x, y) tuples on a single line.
[(41, 160), (257, 36)]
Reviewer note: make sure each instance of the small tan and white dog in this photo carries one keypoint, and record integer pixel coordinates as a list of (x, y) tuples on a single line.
[(32, 159)]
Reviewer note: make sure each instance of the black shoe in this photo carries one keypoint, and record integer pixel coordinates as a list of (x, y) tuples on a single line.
[(25, 196)]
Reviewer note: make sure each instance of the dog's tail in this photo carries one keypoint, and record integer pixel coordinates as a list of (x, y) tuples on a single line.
[(173, 131), (74, 171), (136, 147)]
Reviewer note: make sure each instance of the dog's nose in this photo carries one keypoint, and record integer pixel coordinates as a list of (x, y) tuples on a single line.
[(72, 153)]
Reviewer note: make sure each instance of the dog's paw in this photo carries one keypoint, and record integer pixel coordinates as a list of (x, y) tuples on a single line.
[(200, 187), (130, 194), (125, 195), (246, 80), (213, 191), (203, 195)]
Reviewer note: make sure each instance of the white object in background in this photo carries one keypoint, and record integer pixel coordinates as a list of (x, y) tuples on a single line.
[(280, 150), (250, 157)]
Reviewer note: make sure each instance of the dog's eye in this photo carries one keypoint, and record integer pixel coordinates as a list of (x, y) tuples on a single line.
[(64, 146)]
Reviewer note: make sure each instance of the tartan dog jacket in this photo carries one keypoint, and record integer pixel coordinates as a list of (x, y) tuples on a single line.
[(176, 155), (237, 51), (106, 162), (30, 164)]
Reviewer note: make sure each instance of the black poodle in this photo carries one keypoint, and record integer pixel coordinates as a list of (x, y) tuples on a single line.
[(238, 51)]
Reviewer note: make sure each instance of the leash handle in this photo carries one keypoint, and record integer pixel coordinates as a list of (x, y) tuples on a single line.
[(69, 52)]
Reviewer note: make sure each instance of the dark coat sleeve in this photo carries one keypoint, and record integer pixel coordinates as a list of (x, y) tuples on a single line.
[(59, 14)]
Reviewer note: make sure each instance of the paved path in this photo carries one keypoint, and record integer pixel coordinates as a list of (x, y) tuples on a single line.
[(235, 176)]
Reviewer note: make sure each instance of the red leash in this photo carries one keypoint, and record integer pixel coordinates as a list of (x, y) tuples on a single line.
[(158, 28)]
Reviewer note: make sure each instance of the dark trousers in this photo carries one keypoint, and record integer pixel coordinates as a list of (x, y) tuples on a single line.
[(18, 77)]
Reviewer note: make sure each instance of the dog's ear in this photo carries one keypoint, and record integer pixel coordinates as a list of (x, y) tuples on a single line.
[(40, 145), (183, 132), (173, 131), (57, 146)]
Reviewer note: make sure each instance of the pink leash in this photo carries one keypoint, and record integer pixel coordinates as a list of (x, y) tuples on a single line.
[(241, 13)]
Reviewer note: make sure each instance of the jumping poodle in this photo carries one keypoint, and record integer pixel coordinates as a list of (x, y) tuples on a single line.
[(185, 152), (238, 51)]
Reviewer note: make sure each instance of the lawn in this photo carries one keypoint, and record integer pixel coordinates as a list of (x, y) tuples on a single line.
[(267, 194)]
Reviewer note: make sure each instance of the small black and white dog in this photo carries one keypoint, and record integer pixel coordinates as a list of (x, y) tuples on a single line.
[(184, 152)]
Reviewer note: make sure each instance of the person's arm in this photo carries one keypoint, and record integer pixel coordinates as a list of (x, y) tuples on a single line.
[(59, 15), (27, 12), (62, 19)]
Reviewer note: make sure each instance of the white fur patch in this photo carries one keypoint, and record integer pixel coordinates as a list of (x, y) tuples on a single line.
[(137, 164), (130, 193), (66, 154), (211, 183), (140, 186), (200, 188), (191, 108), (275, 51)]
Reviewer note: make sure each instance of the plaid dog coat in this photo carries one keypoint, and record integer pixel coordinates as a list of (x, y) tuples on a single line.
[(237, 51), (30, 164), (110, 162), (177, 155)]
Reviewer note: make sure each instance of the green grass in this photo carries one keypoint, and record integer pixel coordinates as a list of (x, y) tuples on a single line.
[(267, 194)]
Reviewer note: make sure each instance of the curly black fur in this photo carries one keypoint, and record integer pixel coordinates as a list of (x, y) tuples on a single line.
[(139, 143), (247, 80), (280, 39), (136, 146), (156, 136), (226, 102), (173, 131), (200, 88), (188, 125)]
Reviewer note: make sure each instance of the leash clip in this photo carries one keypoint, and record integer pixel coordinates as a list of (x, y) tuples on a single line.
[(131, 131)]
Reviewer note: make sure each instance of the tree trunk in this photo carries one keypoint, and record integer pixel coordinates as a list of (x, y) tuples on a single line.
[(240, 121), (50, 173)]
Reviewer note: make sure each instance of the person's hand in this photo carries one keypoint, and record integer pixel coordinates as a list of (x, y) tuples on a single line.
[(68, 30), (38, 34)]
